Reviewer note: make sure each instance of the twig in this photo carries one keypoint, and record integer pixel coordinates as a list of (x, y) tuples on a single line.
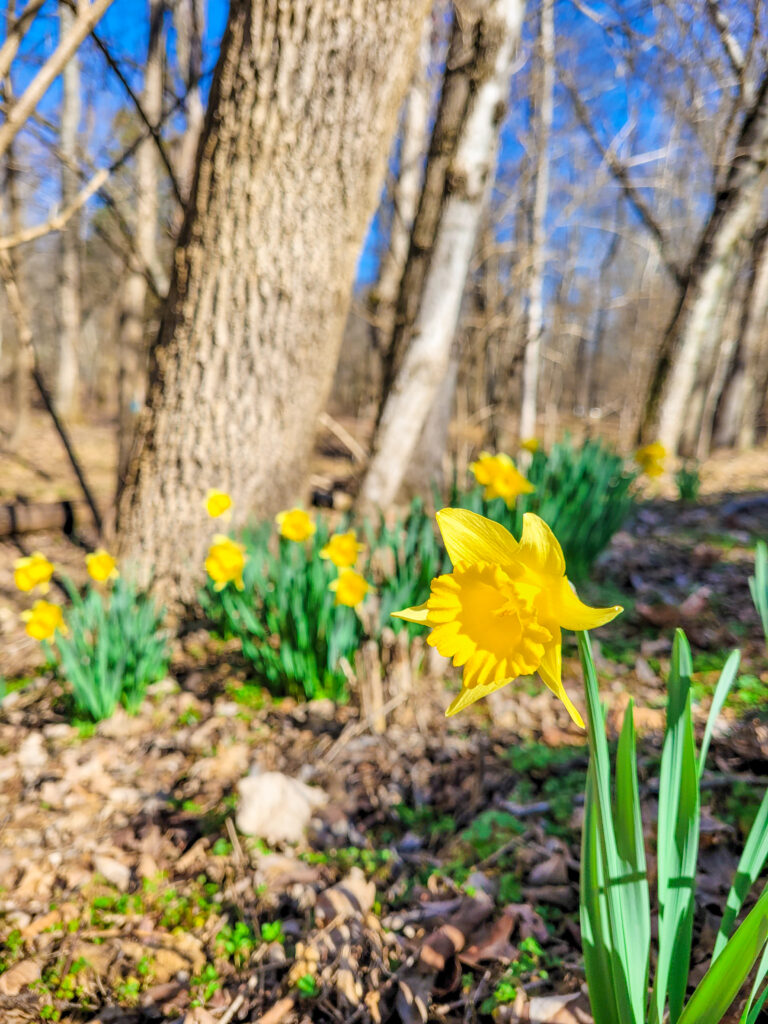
[(233, 1007), (235, 840), (355, 728), (276, 1013), (16, 33), (355, 449)]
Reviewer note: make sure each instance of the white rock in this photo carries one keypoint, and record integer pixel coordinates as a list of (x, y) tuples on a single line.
[(113, 870), (275, 807)]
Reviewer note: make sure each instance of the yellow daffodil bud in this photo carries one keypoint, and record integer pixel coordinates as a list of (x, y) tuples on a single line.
[(342, 549), (101, 566), (501, 611), (32, 571), (43, 620), (295, 524), (217, 503), (650, 459), (350, 588), (225, 562), (530, 444)]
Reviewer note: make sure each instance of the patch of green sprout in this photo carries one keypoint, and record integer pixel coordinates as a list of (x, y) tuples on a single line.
[(237, 942), (307, 986), (205, 985)]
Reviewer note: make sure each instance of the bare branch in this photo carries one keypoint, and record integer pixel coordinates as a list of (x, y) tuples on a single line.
[(59, 220), (84, 22), (728, 39), (16, 33), (619, 170)]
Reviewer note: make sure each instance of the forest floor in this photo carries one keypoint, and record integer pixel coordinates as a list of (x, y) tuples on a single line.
[(438, 874)]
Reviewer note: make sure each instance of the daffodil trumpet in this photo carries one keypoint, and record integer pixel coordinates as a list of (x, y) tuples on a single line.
[(501, 612)]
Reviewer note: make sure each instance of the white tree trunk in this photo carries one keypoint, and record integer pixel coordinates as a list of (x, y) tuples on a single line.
[(414, 139), (69, 241), (426, 360), (535, 320)]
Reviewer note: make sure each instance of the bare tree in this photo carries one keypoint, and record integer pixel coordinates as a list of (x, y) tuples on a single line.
[(132, 382), (301, 114), (538, 258), (189, 19), (69, 238), (460, 170)]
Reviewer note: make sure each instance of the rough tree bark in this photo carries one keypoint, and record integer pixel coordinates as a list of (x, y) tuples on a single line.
[(460, 170), (745, 391), (68, 373), (710, 276), (132, 345), (302, 111), (538, 259)]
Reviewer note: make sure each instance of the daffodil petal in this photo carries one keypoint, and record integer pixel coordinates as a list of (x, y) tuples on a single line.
[(417, 614), (572, 613), (551, 671), (468, 695), (541, 546), (470, 538)]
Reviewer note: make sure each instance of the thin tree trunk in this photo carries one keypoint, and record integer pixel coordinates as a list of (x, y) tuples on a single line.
[(406, 192), (535, 321), (710, 276), (189, 19), (132, 346), (462, 163), (68, 375), (302, 111)]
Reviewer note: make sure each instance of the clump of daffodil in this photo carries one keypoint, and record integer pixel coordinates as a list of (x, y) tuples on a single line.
[(651, 458), (218, 503), (43, 619), (225, 562), (501, 611), (500, 478), (101, 566), (530, 444), (350, 588), (33, 571), (295, 524), (342, 549)]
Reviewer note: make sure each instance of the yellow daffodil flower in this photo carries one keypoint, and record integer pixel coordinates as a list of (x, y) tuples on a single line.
[(225, 562), (530, 444), (33, 571), (342, 549), (350, 588), (500, 477), (501, 611), (295, 524), (651, 458), (43, 620), (101, 566), (217, 503)]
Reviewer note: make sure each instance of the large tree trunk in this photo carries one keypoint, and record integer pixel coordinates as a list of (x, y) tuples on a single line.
[(69, 239), (302, 111), (132, 346), (535, 319), (745, 390), (711, 275), (460, 171)]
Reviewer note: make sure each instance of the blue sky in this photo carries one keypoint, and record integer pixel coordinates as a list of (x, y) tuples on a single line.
[(627, 83)]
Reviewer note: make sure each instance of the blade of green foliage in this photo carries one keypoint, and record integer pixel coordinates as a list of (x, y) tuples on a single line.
[(616, 882), (595, 929), (755, 1003), (720, 985), (678, 840), (753, 857), (631, 849), (758, 584), (723, 688)]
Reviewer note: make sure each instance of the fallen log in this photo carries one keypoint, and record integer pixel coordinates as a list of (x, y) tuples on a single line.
[(28, 517)]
